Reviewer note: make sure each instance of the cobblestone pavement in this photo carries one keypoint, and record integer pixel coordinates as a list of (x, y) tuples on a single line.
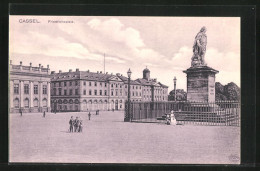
[(107, 139)]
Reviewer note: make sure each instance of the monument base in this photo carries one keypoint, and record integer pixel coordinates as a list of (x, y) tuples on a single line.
[(201, 83)]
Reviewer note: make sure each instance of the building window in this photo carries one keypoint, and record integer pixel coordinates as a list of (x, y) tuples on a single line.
[(120, 86), (35, 103), (70, 83), (16, 88), (59, 84), (54, 91), (105, 92), (76, 91), (105, 84), (65, 92), (112, 93), (76, 83), (84, 83), (95, 92), (16, 103), (26, 103), (140, 94), (65, 84), (44, 102), (84, 92), (112, 85), (133, 87), (116, 93), (90, 92), (59, 91), (100, 92), (125, 86), (126, 93), (100, 84), (116, 85), (70, 91), (44, 89), (133, 94), (95, 84), (35, 89), (89, 83), (26, 89), (136, 93)]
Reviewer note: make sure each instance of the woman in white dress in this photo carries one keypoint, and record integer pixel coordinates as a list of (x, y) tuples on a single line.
[(173, 119)]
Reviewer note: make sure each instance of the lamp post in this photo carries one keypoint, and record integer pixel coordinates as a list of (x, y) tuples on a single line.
[(174, 81), (128, 117)]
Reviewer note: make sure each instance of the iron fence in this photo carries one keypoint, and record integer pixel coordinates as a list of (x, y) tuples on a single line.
[(225, 113)]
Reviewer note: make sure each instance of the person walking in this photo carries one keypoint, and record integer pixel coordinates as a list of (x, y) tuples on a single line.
[(71, 124), (76, 124), (80, 126), (44, 114), (89, 115), (21, 112)]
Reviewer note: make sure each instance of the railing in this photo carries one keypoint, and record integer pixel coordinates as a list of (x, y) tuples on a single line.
[(202, 113)]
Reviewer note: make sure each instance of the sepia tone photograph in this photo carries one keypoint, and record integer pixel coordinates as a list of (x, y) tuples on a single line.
[(118, 89)]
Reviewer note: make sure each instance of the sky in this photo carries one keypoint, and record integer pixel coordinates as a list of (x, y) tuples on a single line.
[(162, 44)]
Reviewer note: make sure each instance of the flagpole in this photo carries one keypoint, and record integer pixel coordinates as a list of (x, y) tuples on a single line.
[(104, 64)]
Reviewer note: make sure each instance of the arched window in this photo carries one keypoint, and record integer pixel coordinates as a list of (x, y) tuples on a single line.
[(77, 101), (35, 102), (60, 101), (16, 103), (65, 101), (44, 102), (90, 101), (26, 103), (105, 101), (70, 101)]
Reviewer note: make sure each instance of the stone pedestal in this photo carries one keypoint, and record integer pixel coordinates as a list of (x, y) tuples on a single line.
[(201, 83)]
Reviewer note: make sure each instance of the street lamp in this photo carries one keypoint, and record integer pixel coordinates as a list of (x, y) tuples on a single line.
[(128, 95), (174, 81)]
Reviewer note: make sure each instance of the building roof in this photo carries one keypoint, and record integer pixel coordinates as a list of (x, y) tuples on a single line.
[(151, 82), (146, 70), (125, 80), (91, 76)]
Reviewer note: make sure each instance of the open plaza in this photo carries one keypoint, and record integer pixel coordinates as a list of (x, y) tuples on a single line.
[(106, 138)]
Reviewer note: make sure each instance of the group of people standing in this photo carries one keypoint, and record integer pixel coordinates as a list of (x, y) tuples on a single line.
[(75, 125)]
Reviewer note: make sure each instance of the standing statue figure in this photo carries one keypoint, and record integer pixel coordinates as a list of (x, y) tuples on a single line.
[(199, 48)]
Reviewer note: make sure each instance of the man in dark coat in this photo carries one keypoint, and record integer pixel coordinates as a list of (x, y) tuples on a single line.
[(76, 124), (71, 122)]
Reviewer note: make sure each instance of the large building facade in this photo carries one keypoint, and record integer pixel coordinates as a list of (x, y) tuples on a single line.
[(29, 88), (89, 91)]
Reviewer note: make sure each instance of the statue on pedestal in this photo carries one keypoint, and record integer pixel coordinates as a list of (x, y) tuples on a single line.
[(199, 48)]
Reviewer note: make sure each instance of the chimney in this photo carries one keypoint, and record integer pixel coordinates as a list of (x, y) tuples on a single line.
[(21, 63), (70, 70), (52, 72), (77, 70), (30, 64), (39, 65), (60, 71)]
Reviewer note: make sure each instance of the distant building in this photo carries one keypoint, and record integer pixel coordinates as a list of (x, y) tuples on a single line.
[(88, 91), (151, 89), (29, 88)]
